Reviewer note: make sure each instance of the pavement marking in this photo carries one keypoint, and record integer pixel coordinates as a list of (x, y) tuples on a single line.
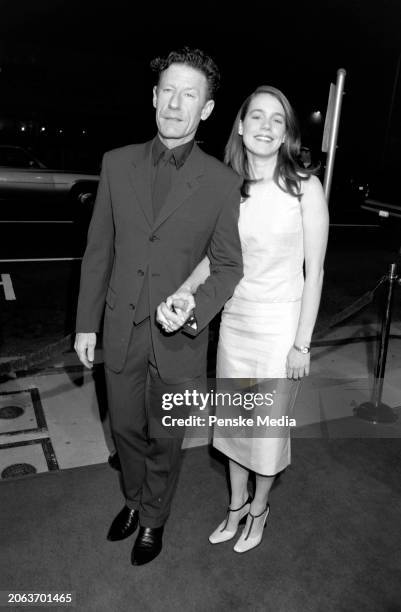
[(34, 221), (8, 287), (41, 259)]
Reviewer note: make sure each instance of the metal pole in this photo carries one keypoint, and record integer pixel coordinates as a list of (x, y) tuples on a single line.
[(375, 411), (331, 153), (386, 323)]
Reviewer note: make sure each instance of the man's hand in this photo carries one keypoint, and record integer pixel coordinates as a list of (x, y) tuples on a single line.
[(174, 312), (85, 348)]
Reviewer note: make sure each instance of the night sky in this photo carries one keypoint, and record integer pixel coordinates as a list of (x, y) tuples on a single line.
[(85, 65)]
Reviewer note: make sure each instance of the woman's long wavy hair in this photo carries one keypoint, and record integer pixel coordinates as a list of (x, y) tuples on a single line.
[(288, 174)]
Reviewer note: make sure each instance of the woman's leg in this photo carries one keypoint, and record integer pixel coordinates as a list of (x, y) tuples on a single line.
[(262, 490), (239, 491), (239, 507), (253, 530)]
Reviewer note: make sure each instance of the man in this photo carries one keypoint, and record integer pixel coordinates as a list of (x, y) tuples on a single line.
[(161, 206), (305, 157)]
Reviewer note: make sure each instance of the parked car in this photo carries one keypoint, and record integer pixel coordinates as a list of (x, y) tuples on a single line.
[(28, 187)]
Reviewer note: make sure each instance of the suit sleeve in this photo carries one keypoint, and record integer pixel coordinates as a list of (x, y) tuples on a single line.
[(98, 259), (226, 269)]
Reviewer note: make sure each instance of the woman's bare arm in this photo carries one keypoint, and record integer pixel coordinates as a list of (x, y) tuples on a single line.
[(196, 278), (315, 221)]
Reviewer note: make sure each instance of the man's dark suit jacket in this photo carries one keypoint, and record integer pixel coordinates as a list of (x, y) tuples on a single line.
[(199, 217)]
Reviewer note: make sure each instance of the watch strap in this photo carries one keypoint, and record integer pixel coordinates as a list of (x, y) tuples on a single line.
[(302, 349), (191, 322)]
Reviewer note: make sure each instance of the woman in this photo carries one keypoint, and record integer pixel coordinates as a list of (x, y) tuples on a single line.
[(267, 325)]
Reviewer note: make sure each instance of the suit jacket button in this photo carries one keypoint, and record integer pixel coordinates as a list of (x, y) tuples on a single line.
[(132, 306), (140, 272), (153, 237)]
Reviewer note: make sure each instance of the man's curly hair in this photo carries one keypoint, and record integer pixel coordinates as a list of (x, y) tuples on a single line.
[(196, 59)]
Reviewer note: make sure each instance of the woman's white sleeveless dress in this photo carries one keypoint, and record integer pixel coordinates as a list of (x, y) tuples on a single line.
[(259, 322)]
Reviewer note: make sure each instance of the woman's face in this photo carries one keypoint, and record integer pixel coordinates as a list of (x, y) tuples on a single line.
[(263, 128)]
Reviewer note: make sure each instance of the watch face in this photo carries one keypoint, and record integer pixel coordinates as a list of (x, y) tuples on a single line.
[(302, 349)]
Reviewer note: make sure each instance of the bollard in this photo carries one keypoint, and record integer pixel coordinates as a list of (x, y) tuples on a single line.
[(375, 411)]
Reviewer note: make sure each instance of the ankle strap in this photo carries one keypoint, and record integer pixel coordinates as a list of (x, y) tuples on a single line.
[(258, 515), (248, 501), (253, 516)]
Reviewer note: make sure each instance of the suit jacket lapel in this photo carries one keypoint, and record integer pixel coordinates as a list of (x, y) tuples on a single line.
[(141, 179), (186, 183)]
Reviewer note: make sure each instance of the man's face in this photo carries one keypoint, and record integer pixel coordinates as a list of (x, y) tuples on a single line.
[(306, 156), (180, 100)]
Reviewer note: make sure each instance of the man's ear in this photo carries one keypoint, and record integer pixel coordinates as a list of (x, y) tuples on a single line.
[(154, 96), (207, 109)]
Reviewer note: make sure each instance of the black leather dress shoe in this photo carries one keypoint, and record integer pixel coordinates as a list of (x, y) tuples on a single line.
[(114, 461), (123, 525), (148, 545)]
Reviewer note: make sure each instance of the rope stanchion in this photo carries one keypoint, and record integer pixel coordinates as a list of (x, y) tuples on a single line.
[(376, 411)]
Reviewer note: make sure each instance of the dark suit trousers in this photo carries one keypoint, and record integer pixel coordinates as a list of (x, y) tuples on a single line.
[(150, 465)]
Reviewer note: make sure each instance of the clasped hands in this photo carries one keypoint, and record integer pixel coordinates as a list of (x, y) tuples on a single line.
[(175, 311)]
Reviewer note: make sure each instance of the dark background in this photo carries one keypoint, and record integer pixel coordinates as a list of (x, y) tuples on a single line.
[(85, 66)]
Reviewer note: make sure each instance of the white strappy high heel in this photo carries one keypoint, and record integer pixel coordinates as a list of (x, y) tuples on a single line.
[(222, 534), (247, 541)]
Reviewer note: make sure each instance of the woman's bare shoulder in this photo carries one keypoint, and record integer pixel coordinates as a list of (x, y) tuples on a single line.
[(312, 188)]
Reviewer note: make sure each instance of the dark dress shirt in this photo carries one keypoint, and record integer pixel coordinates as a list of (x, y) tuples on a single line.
[(165, 168)]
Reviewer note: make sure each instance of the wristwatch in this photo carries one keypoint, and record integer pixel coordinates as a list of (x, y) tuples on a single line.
[(302, 349), (192, 322)]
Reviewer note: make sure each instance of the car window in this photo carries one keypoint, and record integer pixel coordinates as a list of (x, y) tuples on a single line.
[(16, 158)]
